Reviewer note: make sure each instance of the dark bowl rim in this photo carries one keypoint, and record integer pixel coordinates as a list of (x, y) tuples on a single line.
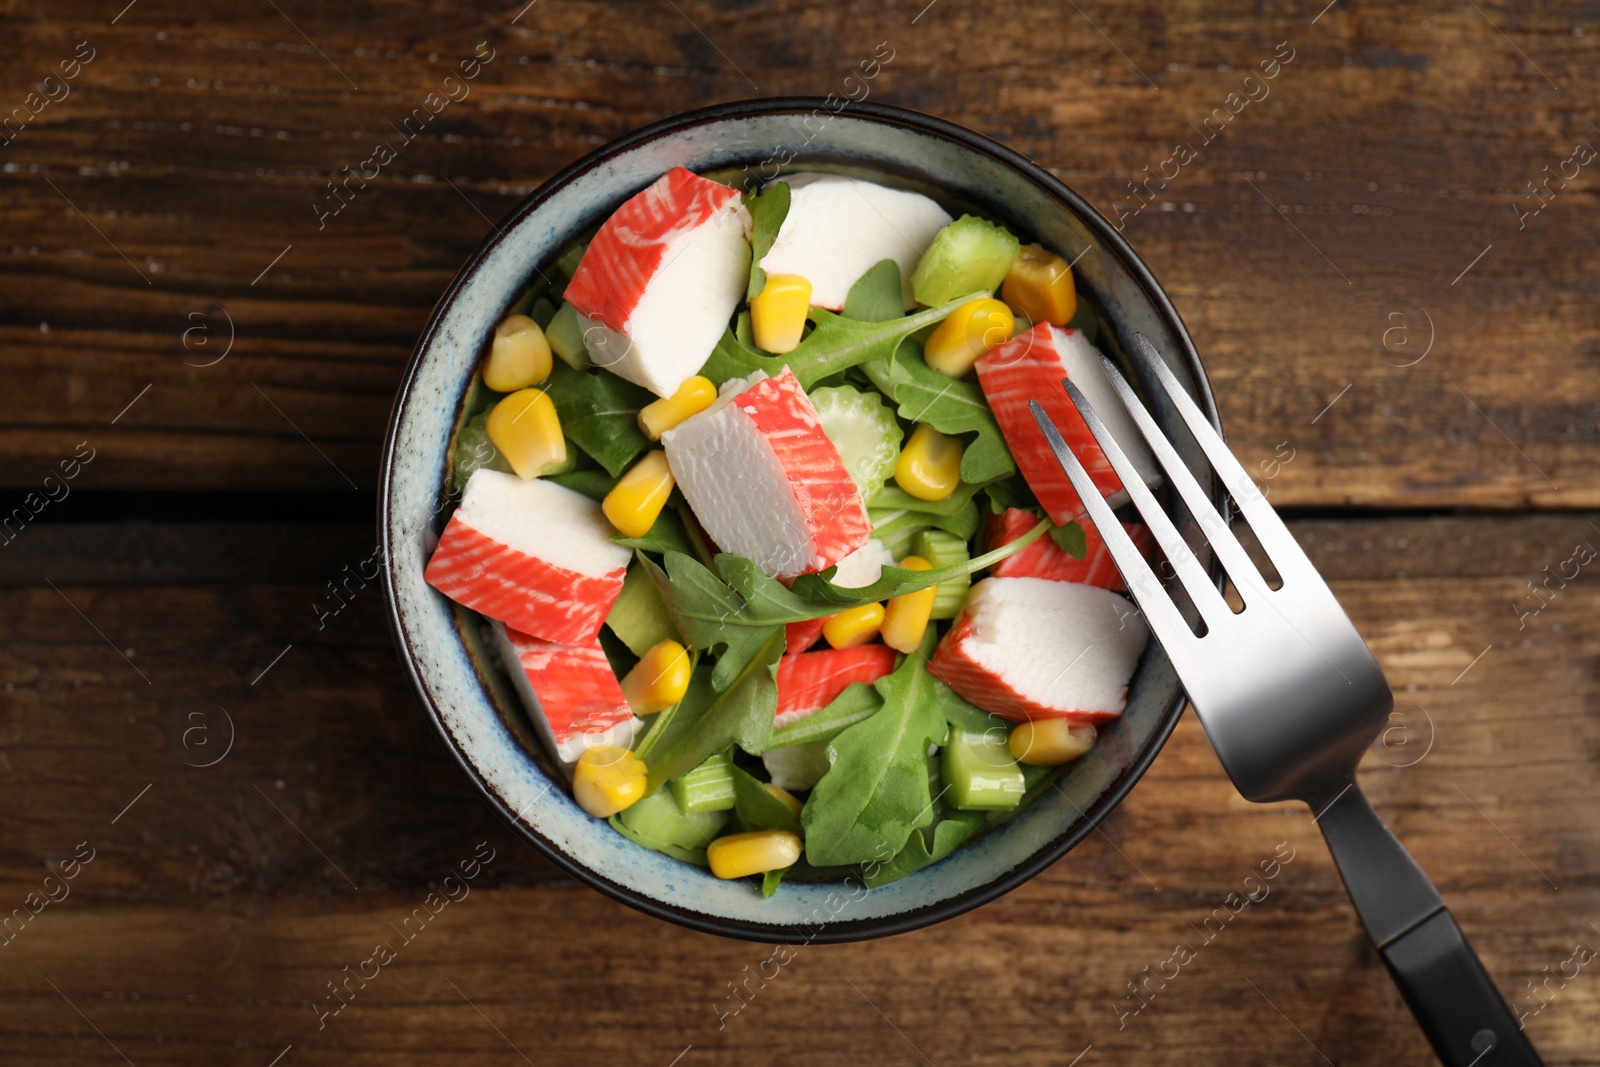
[(786, 933)]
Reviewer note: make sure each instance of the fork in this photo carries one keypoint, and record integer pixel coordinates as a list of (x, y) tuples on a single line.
[(1290, 697)]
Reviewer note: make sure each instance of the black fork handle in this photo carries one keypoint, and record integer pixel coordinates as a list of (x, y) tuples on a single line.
[(1452, 996)]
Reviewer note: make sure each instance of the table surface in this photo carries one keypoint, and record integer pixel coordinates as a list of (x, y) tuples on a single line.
[(1387, 263)]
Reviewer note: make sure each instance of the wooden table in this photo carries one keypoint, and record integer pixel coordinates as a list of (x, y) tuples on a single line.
[(1403, 350)]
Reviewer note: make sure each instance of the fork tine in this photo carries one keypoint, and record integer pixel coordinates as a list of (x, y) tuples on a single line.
[(1196, 582), (1275, 538), (1159, 610)]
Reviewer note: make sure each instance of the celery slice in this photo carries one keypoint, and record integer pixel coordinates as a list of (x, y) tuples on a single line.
[(970, 255), (709, 787), (864, 430), (657, 818), (565, 334), (944, 550), (980, 773), (639, 616)]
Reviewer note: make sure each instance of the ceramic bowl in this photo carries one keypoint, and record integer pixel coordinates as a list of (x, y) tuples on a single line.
[(441, 645)]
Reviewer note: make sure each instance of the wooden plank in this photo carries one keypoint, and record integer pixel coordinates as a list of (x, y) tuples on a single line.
[(1393, 149), (218, 907)]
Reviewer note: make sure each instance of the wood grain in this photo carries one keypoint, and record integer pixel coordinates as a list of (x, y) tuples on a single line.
[(1392, 148), (219, 906)]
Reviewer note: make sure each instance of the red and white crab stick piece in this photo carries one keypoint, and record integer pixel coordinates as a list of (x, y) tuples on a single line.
[(1046, 559), (838, 227), (1029, 648), (531, 554), (1030, 366), (657, 284), (809, 681), (570, 692), (765, 481)]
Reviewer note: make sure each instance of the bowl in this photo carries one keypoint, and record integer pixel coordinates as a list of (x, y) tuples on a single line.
[(442, 647)]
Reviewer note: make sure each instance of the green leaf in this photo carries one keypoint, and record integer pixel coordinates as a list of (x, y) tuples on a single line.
[(665, 535), (949, 405), (591, 483), (962, 714), (894, 527), (710, 613), (875, 793), (758, 809), (599, 412), (1012, 492), (1071, 538), (894, 497), (876, 296), (838, 343), (731, 359), (770, 880), (856, 703), (767, 212), (947, 834), (707, 721)]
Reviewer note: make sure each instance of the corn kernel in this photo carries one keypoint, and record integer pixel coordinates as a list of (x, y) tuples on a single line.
[(853, 626), (1039, 285), (905, 618), (638, 497), (658, 680), (778, 315), (608, 779), (1050, 742), (692, 397), (526, 430), (518, 356), (788, 799), (966, 334), (739, 855), (929, 467)]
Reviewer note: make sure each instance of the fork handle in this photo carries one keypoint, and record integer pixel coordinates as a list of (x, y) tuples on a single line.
[(1453, 998)]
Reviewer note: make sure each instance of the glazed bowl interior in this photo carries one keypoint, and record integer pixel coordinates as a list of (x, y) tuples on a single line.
[(441, 645)]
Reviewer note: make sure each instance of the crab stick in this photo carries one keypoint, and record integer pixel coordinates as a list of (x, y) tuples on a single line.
[(530, 554), (657, 284), (1030, 648), (1046, 559), (1030, 366), (765, 481), (570, 692), (809, 681)]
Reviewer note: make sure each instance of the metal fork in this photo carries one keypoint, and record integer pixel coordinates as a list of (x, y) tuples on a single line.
[(1290, 698)]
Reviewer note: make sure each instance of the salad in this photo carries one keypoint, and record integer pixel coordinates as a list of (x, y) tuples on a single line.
[(766, 537)]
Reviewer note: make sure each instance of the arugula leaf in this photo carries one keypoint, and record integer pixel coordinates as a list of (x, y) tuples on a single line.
[(758, 809), (1012, 492), (707, 721), (838, 343), (959, 712), (591, 483), (666, 535), (857, 702), (600, 413), (949, 405), (767, 212), (709, 612), (1072, 539), (876, 296), (892, 496), (894, 527), (731, 358), (947, 834), (875, 793), (770, 880)]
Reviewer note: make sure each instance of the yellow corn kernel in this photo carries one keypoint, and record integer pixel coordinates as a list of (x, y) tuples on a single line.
[(905, 618), (966, 334), (638, 497), (1039, 285), (929, 467), (739, 855), (518, 356), (788, 799), (778, 315), (692, 397), (853, 626), (1050, 742), (607, 779), (658, 680), (526, 430)]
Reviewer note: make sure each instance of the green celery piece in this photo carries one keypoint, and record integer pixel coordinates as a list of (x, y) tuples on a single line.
[(838, 343), (964, 715), (473, 450), (971, 255), (708, 720), (942, 549), (666, 534), (896, 527), (864, 430), (924, 848), (599, 412), (875, 794), (638, 617), (696, 856), (876, 296), (565, 334), (949, 405), (980, 772), (770, 881), (1071, 539), (767, 212), (758, 809), (800, 766), (658, 818), (567, 261), (708, 787), (591, 483), (857, 702), (731, 358)]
